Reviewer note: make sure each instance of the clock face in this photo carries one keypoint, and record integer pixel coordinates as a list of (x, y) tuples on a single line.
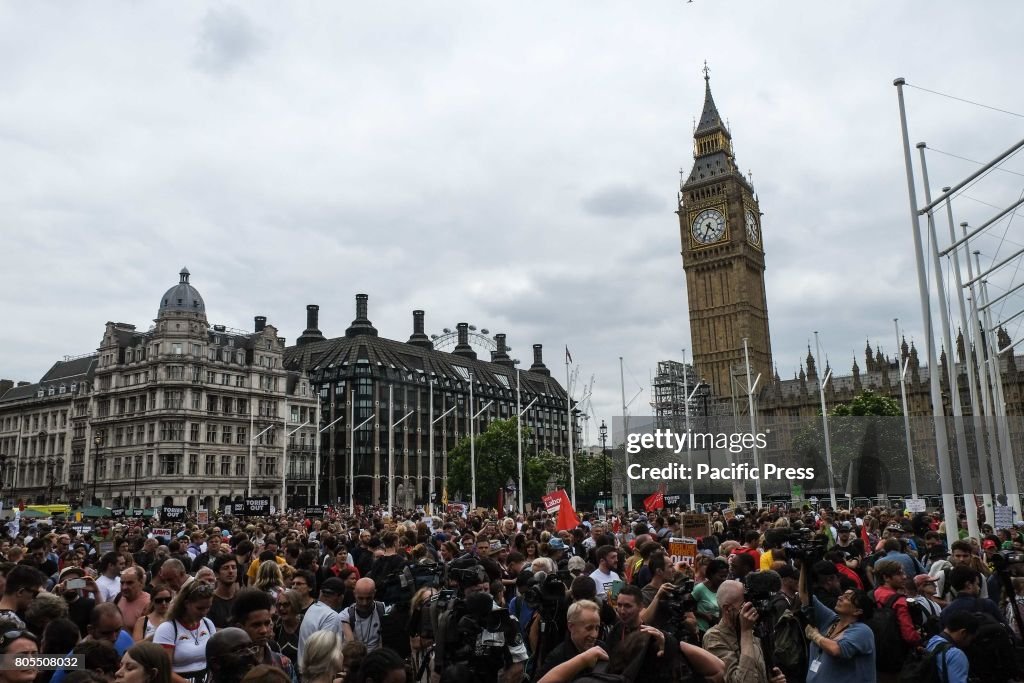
[(753, 231), (708, 226)]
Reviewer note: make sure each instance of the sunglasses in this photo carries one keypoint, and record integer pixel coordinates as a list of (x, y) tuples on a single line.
[(161, 601), (10, 636)]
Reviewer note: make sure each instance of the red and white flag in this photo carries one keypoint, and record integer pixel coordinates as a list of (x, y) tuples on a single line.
[(558, 505), (655, 501)]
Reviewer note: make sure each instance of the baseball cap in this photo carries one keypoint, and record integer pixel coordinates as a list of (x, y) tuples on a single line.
[(333, 585), (987, 543), (894, 527), (556, 544), (70, 570), (845, 526), (922, 579)]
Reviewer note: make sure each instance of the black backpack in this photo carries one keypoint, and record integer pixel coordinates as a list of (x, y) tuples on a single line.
[(926, 623), (923, 667), (992, 655), (788, 640), (890, 650)]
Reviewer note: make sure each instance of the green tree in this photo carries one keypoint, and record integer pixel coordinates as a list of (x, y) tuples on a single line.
[(867, 443)]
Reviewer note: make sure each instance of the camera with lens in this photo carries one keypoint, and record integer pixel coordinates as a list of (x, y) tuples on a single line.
[(805, 546), (545, 593), (759, 588), (1004, 558), (674, 604)]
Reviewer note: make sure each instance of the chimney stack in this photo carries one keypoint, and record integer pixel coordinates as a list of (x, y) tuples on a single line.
[(312, 332), (538, 361), (463, 348), (261, 322), (419, 337), (361, 325), (501, 355)]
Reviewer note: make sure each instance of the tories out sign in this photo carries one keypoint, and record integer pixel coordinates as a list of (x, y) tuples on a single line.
[(257, 506)]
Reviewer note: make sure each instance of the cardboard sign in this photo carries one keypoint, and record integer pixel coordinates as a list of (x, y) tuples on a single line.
[(82, 529), (172, 513), (257, 506), (695, 525), (459, 509), (166, 533), (203, 517), (915, 504), (682, 550), (117, 512), (105, 547)]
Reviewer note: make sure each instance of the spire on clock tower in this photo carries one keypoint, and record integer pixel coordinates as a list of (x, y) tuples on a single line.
[(710, 119)]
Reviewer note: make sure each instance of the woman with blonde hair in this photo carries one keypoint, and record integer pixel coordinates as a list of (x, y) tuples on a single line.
[(321, 657), (269, 578), (187, 630)]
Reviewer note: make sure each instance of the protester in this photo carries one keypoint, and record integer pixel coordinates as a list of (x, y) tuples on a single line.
[(187, 631)]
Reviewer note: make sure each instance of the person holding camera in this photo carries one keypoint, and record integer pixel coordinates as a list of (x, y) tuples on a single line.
[(842, 644), (733, 641)]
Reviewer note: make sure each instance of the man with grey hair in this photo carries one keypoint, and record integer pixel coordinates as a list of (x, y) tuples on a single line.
[(733, 641), (584, 624), (172, 574)]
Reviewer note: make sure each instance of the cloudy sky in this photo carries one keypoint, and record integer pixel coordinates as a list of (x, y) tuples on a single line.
[(514, 165)]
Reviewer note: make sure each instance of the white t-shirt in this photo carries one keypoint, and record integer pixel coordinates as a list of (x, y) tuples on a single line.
[(189, 644), (109, 588), (604, 582)]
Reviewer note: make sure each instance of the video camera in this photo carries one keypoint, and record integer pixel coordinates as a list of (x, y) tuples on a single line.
[(677, 601), (1004, 558), (759, 588), (800, 544), (546, 592)]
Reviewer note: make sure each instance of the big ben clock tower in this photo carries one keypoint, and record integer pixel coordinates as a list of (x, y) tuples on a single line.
[(723, 257)]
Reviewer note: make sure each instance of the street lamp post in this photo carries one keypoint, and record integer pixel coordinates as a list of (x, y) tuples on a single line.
[(97, 441), (603, 435)]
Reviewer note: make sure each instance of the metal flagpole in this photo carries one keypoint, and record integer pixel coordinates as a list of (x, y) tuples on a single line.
[(519, 440), (252, 440), (430, 440), (966, 477), (1005, 445), (904, 364), (625, 434), (284, 466), (472, 448), (572, 461), (320, 431), (519, 433), (941, 438), (391, 450), (979, 438), (824, 422), (316, 467), (984, 380), (686, 412), (751, 388)]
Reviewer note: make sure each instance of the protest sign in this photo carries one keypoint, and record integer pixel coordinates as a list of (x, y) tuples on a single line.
[(257, 506), (695, 525), (682, 550), (172, 513)]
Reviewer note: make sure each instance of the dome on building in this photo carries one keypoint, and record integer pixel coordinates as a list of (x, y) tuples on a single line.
[(182, 298)]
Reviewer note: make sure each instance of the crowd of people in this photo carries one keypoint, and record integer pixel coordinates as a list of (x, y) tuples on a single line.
[(772, 596)]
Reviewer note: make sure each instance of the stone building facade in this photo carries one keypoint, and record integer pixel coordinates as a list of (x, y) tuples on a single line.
[(184, 413)]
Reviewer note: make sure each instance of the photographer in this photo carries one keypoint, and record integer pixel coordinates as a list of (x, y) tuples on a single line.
[(733, 641), (474, 638), (845, 652)]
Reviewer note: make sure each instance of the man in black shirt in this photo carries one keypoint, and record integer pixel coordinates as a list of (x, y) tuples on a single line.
[(584, 622)]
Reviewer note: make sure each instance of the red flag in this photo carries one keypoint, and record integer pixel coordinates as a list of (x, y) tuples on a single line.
[(655, 501), (864, 537), (558, 503)]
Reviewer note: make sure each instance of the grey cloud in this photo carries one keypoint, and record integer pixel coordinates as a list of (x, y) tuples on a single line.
[(227, 39), (623, 201)]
